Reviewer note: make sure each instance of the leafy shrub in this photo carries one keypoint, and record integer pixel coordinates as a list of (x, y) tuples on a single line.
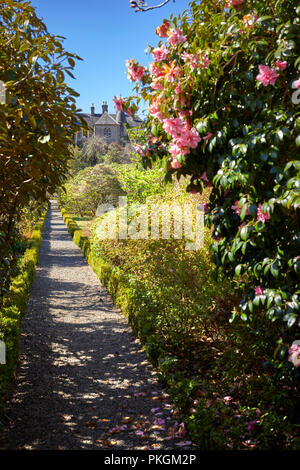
[(37, 117), (223, 93), (138, 184), (90, 187), (93, 150), (181, 316)]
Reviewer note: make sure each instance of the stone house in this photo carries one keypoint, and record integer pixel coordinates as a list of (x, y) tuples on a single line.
[(112, 127)]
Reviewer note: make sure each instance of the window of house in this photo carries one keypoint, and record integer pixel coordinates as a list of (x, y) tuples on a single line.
[(107, 132)]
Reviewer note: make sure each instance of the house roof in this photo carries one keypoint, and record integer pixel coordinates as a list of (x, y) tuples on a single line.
[(106, 120), (110, 119)]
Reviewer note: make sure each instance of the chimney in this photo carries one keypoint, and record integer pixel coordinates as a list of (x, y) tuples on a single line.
[(104, 107), (93, 110)]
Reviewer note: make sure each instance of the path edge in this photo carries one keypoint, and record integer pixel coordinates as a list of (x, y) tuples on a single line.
[(14, 308)]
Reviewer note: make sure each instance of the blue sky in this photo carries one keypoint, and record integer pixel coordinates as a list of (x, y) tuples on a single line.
[(104, 33)]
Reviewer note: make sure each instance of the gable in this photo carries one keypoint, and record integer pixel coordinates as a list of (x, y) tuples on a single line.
[(106, 120)]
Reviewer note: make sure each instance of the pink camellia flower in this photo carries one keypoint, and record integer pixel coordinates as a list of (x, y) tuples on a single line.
[(262, 216), (119, 103), (238, 210), (178, 89), (173, 126), (135, 71), (205, 61), (156, 85), (227, 400), (175, 164), (154, 110), (281, 65), (252, 424), (204, 178), (234, 3), (294, 353), (207, 136), (193, 138), (160, 53), (155, 70), (176, 150), (296, 83), (175, 36), (162, 31), (266, 75), (258, 290)]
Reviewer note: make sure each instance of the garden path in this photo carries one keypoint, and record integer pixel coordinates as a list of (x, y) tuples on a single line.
[(83, 380)]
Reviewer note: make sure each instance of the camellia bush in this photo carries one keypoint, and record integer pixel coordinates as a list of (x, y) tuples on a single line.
[(223, 94), (37, 118)]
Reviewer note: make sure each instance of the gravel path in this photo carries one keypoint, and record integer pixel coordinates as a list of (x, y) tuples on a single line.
[(83, 381)]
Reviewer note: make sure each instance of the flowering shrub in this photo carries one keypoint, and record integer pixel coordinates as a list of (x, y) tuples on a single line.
[(220, 110)]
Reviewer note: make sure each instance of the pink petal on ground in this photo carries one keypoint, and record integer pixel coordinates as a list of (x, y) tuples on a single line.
[(184, 443)]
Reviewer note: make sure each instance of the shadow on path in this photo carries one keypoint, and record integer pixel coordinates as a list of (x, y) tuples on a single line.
[(80, 365)]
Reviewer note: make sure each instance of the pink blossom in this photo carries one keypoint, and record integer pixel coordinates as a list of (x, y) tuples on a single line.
[(206, 180), (238, 210), (175, 164), (155, 70), (119, 102), (192, 59), (294, 353), (154, 110), (266, 75), (234, 3), (178, 89), (135, 71), (159, 421), (296, 83), (162, 31), (160, 53), (258, 290), (208, 136), (262, 216), (205, 206), (176, 150), (156, 85), (175, 36), (184, 443), (227, 399), (173, 126), (194, 138), (281, 65), (205, 61), (251, 425)]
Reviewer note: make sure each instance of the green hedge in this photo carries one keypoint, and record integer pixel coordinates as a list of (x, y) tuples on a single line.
[(257, 401), (127, 293), (14, 307)]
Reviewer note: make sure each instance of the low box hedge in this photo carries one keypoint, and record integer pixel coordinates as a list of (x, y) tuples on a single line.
[(14, 307)]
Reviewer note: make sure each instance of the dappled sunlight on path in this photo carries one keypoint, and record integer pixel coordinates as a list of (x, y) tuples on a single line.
[(84, 381)]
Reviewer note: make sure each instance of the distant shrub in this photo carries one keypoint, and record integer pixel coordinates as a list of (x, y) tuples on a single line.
[(90, 187)]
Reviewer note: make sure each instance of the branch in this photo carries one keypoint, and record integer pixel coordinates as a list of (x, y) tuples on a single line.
[(142, 5)]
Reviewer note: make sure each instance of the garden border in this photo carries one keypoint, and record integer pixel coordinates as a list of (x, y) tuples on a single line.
[(14, 308)]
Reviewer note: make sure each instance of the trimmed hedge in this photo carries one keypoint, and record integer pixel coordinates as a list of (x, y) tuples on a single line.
[(127, 293), (14, 307), (261, 414)]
